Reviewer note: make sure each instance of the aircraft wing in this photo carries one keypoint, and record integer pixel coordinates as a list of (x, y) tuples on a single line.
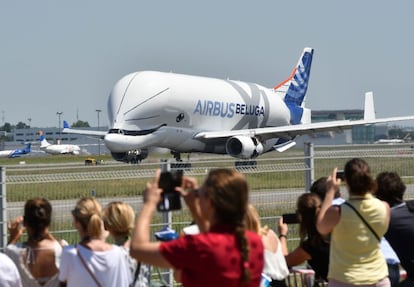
[(97, 134), (68, 130), (295, 130)]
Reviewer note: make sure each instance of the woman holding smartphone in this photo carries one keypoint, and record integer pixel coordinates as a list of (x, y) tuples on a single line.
[(224, 253)]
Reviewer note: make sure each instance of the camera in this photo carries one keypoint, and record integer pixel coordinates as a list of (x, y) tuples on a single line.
[(290, 218), (170, 199), (340, 174)]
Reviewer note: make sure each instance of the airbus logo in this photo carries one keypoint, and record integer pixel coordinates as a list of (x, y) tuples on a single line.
[(227, 110)]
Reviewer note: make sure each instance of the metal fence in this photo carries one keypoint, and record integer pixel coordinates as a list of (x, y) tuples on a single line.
[(275, 181)]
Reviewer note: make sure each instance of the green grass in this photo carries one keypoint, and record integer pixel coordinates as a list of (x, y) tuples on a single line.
[(402, 163)]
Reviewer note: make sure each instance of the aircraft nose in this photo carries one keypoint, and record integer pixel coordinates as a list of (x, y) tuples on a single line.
[(114, 143)]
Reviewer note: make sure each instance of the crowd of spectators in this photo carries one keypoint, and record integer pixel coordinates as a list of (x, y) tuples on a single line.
[(346, 242)]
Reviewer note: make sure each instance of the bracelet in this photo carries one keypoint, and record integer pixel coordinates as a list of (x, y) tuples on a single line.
[(282, 235)]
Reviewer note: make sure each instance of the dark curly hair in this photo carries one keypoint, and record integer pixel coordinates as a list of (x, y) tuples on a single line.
[(391, 188)]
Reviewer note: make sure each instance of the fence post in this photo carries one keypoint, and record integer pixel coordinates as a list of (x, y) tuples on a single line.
[(167, 221), (3, 208), (310, 165)]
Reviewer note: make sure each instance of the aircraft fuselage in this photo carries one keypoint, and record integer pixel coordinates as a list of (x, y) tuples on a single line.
[(166, 110)]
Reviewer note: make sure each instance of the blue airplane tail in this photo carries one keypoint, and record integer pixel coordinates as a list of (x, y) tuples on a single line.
[(296, 85), (65, 125), (28, 148), (19, 152), (43, 141)]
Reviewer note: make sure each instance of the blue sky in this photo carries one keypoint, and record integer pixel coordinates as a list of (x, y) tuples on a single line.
[(66, 55)]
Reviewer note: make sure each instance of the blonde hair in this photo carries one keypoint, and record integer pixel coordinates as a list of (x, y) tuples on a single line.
[(252, 221), (88, 213), (118, 218)]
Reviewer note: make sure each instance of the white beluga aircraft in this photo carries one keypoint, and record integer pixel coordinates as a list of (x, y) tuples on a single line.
[(187, 114), (57, 148)]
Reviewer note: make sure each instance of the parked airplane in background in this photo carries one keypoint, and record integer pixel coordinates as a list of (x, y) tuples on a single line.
[(57, 148), (15, 152), (197, 114), (394, 141), (389, 141)]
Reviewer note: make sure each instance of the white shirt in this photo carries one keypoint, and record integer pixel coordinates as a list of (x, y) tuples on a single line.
[(275, 264), (9, 275), (110, 268)]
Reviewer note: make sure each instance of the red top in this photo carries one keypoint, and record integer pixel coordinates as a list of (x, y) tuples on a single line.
[(213, 259)]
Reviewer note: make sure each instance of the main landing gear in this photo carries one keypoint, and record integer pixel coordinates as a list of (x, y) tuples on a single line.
[(243, 164), (179, 164)]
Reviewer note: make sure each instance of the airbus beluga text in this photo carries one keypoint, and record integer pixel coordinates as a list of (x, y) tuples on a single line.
[(197, 114)]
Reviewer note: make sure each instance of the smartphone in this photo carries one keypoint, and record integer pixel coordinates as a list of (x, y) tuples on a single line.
[(170, 199), (290, 218), (340, 174)]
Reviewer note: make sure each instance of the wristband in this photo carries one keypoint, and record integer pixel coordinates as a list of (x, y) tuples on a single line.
[(282, 235)]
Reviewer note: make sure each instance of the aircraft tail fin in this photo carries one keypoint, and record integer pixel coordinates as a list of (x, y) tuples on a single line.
[(65, 125), (369, 110), (27, 148), (294, 88), (43, 141)]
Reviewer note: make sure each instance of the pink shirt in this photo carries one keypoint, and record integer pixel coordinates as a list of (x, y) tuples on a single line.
[(213, 259)]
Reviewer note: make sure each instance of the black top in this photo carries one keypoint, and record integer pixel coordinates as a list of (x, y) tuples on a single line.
[(319, 258), (400, 235)]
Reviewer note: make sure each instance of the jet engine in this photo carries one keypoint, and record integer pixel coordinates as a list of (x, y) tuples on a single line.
[(132, 156), (244, 147)]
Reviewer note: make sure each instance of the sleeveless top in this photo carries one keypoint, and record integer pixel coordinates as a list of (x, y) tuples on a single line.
[(354, 248), (275, 264), (15, 252)]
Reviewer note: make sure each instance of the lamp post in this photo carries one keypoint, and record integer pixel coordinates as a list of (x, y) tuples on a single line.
[(99, 140), (59, 114)]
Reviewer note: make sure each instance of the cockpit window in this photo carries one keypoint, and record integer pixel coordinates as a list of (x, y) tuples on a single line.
[(135, 133)]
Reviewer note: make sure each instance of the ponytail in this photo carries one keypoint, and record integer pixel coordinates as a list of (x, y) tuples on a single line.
[(228, 192), (240, 234), (88, 213)]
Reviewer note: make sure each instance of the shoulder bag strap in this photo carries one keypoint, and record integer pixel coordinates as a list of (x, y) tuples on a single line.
[(86, 267), (136, 274), (363, 219)]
